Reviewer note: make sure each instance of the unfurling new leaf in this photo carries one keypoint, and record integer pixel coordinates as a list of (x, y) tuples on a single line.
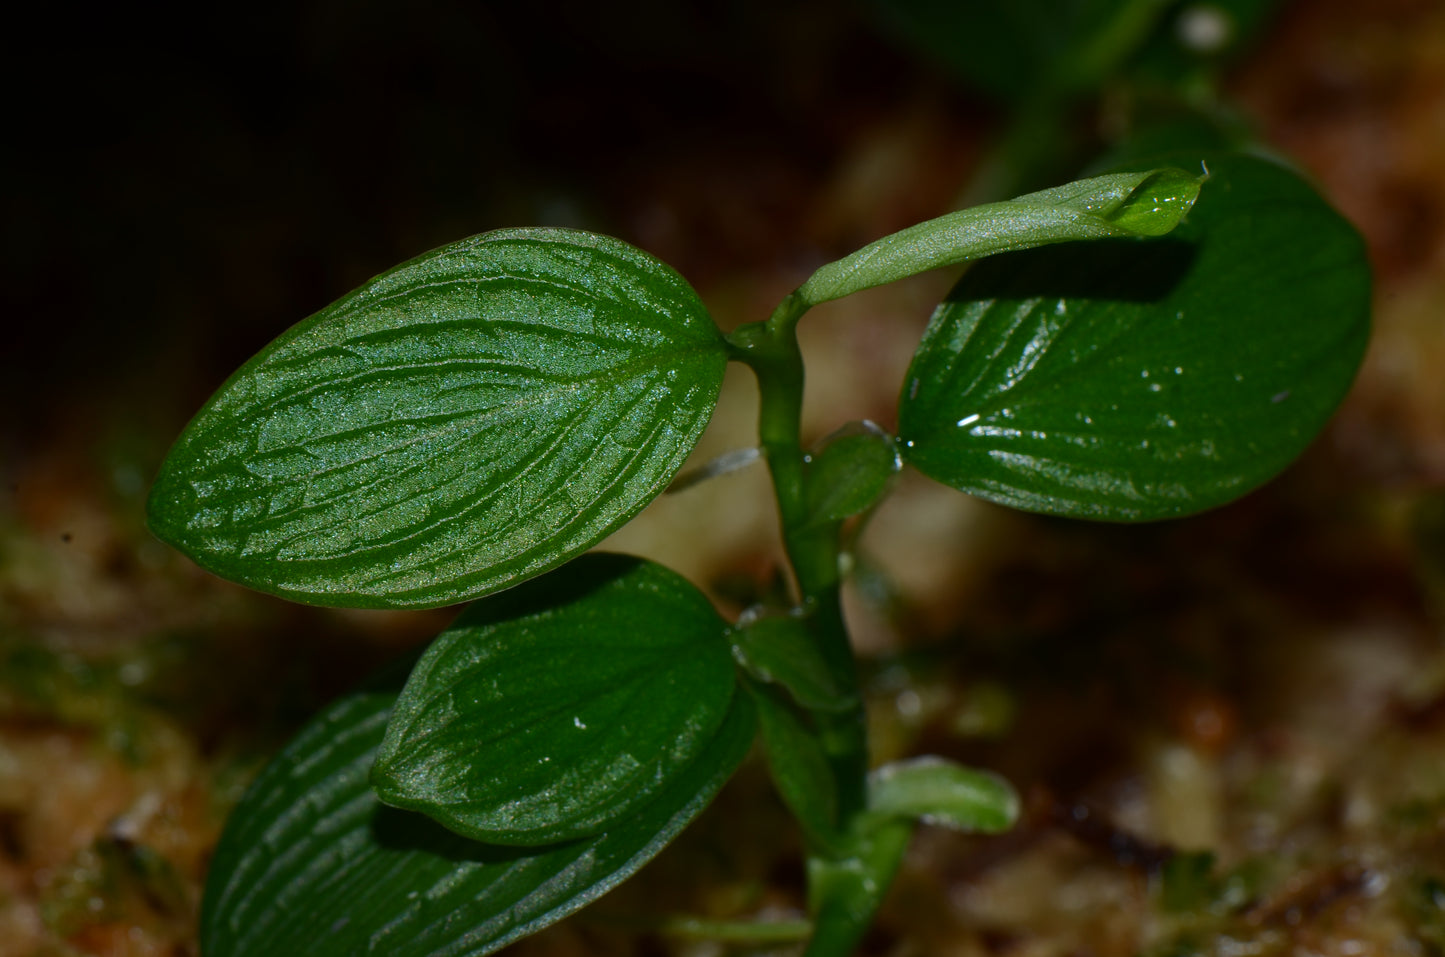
[(547, 712), (463, 422), (1113, 206)]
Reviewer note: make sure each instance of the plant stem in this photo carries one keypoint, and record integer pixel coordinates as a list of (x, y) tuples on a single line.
[(771, 350)]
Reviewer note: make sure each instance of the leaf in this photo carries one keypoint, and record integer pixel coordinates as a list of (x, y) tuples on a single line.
[(547, 712), (849, 475), (939, 792), (1148, 203), (467, 420), (799, 767), (312, 863), (1133, 381), (779, 650)]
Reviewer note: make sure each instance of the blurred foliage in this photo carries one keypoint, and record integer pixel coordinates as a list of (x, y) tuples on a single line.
[(1149, 67)]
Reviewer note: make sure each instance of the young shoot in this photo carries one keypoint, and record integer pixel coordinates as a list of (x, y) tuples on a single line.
[(465, 427)]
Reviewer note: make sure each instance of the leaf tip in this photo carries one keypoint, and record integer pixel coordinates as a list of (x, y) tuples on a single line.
[(1159, 202)]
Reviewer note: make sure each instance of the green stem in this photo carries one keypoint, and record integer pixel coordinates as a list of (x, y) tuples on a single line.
[(771, 350)]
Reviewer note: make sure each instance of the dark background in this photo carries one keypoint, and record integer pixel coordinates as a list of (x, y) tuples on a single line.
[(177, 189)]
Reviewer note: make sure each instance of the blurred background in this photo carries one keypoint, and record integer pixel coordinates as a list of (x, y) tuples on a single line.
[(1251, 703)]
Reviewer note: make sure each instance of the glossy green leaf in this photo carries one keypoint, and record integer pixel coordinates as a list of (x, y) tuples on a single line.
[(939, 792), (467, 420), (549, 711), (849, 475), (1148, 203), (779, 650), (1132, 381), (799, 767), (312, 863)]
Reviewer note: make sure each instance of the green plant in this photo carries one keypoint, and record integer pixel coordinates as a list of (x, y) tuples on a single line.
[(1145, 344)]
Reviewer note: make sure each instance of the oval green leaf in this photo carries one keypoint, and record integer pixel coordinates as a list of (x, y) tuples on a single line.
[(467, 420), (1131, 381), (312, 863), (549, 711)]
